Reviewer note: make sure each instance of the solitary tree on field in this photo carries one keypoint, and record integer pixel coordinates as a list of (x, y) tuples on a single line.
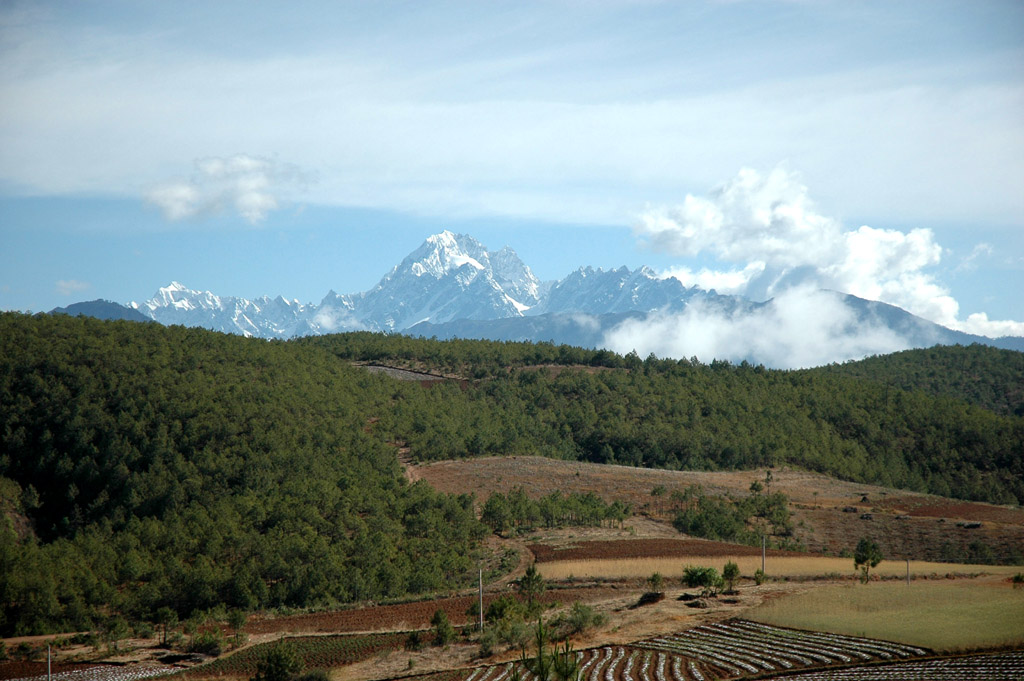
[(444, 632), (531, 585), (730, 573), (866, 556)]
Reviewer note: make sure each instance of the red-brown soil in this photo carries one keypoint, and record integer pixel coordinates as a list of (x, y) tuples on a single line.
[(826, 512), (938, 507), (405, 616), (647, 548)]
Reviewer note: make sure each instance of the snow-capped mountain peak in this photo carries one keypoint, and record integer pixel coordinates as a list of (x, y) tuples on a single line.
[(450, 276), (459, 288), (443, 253)]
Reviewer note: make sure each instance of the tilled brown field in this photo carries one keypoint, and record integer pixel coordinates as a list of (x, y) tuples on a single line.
[(899, 535), (647, 548), (406, 616), (937, 507), (829, 515)]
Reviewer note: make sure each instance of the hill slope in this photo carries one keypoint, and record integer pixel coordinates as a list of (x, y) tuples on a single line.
[(981, 375), (149, 466), (184, 468)]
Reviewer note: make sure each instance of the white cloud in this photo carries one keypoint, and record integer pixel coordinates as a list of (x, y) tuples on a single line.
[(67, 287), (246, 184), (802, 327), (726, 282), (970, 263), (768, 222), (333, 319)]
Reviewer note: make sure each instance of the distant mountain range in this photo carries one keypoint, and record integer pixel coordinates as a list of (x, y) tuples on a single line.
[(452, 286)]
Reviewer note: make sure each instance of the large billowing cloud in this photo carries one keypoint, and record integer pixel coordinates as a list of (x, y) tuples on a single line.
[(245, 184), (768, 224)]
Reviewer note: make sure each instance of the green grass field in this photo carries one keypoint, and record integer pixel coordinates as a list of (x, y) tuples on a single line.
[(946, 616)]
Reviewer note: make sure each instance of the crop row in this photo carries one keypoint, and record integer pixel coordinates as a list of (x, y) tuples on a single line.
[(609, 663), (735, 648), (314, 652), (104, 673), (997, 667), (738, 648)]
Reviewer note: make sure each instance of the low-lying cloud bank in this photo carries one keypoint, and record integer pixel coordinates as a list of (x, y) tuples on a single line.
[(802, 327), (768, 225)]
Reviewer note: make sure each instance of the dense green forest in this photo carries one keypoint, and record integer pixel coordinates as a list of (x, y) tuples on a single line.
[(183, 468), (144, 466), (571, 403), (984, 376)]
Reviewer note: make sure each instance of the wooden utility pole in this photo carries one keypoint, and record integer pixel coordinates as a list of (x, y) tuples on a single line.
[(763, 541), (49, 675), (908, 572), (480, 603)]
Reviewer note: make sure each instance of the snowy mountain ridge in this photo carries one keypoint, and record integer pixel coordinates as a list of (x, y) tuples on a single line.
[(449, 277), (452, 286)]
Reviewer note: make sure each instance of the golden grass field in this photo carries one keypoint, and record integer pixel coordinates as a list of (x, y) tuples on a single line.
[(801, 566), (942, 615)]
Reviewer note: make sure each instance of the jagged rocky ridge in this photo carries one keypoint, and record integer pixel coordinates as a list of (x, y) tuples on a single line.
[(452, 286)]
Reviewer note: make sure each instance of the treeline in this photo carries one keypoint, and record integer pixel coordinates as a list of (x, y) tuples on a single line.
[(504, 512), (686, 415), (144, 467)]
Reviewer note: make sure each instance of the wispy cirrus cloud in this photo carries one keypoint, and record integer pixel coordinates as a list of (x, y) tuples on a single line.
[(251, 186), (67, 287)]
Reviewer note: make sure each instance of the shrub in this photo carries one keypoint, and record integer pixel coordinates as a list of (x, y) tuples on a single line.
[(414, 641), (502, 607), (695, 576), (444, 633), (207, 643), (144, 630), (655, 581), (759, 577), (280, 663), (579, 618)]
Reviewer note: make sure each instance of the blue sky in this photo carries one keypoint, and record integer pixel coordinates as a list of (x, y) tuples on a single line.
[(276, 148)]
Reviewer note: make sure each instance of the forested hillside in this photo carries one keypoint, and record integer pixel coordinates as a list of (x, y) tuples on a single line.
[(606, 408), (979, 374), (167, 466), (144, 466)]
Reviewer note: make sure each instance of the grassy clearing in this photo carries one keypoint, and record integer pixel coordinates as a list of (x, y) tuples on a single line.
[(946, 616), (802, 566)]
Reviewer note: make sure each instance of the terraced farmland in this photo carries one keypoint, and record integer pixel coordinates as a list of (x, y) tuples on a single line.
[(314, 652), (988, 667), (728, 650), (105, 672)]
